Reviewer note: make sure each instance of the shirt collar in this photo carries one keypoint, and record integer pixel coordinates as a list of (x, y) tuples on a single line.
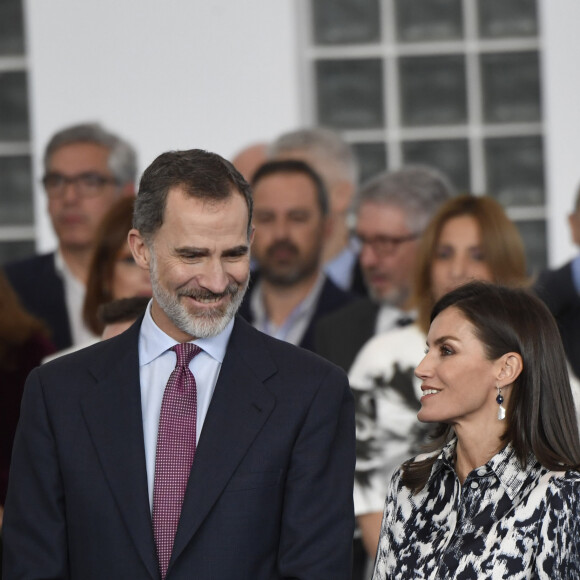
[(153, 342), (260, 315), (505, 465)]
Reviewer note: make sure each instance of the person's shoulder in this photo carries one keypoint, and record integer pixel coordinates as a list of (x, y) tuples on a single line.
[(352, 311), (30, 263), (256, 345)]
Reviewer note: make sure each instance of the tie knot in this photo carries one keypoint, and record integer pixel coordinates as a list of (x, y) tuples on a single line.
[(185, 352)]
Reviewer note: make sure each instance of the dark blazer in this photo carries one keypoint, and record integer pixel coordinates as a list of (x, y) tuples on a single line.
[(339, 336), (269, 494), (41, 292), (331, 298), (556, 288)]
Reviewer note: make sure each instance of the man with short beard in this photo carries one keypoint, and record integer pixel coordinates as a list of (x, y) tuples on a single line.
[(236, 462), (290, 291)]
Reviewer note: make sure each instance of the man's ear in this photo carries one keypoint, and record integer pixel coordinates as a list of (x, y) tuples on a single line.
[(139, 249), (511, 366)]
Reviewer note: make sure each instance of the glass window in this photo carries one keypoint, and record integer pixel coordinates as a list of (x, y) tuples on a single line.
[(372, 159), (13, 106), (451, 156), (533, 233), (16, 191), (429, 20), (503, 18), (345, 21), (511, 87), (515, 172), (350, 93), (11, 27), (433, 90)]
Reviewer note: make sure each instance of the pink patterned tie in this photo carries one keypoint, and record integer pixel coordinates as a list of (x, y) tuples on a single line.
[(175, 451)]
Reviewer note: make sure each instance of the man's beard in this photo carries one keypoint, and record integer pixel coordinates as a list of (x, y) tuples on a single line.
[(287, 276), (205, 323)]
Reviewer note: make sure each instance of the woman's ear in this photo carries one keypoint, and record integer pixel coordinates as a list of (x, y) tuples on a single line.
[(511, 365)]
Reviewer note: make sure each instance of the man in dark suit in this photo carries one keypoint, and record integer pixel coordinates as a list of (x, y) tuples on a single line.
[(392, 210), (335, 161), (86, 169), (560, 290), (289, 292), (101, 483)]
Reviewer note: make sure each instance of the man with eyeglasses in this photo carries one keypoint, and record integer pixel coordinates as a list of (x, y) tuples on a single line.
[(87, 169), (392, 209)]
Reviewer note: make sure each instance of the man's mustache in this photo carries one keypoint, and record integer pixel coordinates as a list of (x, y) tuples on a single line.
[(285, 245), (230, 290)]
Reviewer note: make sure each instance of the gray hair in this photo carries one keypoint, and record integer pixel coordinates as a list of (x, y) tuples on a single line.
[(122, 160), (418, 190), (324, 145)]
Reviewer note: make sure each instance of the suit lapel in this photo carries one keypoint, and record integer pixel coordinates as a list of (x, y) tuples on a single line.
[(113, 416), (239, 407)]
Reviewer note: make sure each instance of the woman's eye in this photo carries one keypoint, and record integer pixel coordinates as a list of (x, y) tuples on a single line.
[(446, 351)]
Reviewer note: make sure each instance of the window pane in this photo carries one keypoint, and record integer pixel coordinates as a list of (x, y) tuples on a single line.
[(346, 21), (16, 191), (449, 156), (11, 27), (13, 107), (429, 20), (372, 159), (500, 18), (433, 90), (12, 251), (511, 87), (515, 170), (534, 236), (350, 93)]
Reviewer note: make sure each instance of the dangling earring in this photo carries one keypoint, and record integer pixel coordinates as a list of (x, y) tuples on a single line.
[(499, 399)]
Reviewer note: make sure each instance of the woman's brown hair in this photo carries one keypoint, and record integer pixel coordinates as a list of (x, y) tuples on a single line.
[(110, 240), (501, 242), (541, 416)]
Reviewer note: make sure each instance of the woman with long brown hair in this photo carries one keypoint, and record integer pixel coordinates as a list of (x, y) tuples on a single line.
[(469, 238)]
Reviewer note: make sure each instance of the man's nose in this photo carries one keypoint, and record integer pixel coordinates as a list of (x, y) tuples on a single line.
[(214, 277)]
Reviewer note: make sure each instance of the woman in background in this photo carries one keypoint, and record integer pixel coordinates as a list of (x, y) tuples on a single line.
[(24, 342), (500, 495), (469, 238), (113, 273)]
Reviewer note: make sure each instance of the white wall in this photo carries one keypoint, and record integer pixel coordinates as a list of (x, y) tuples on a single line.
[(561, 96), (219, 74), (213, 74)]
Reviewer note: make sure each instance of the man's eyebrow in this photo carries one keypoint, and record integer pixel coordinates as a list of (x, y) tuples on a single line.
[(236, 251), (191, 251)]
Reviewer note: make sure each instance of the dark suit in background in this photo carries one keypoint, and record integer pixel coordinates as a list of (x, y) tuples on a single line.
[(331, 298), (41, 291), (556, 288), (339, 336), (270, 490)]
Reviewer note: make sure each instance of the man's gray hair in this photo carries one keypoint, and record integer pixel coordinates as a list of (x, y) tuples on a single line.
[(322, 143), (122, 160), (418, 190)]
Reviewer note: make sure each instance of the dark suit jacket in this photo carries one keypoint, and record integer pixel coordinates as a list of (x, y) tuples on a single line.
[(269, 494), (331, 298), (556, 288), (339, 336), (41, 292)]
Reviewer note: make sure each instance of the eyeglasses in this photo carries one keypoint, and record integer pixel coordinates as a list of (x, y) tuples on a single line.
[(86, 184), (385, 245)]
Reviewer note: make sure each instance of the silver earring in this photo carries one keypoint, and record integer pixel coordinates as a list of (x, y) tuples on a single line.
[(499, 399)]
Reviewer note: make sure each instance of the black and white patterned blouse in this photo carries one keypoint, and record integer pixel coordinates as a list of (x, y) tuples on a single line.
[(504, 522)]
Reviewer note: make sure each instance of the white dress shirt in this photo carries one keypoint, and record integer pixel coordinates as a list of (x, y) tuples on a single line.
[(156, 363)]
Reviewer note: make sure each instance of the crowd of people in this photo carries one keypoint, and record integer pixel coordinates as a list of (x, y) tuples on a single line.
[(265, 369)]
